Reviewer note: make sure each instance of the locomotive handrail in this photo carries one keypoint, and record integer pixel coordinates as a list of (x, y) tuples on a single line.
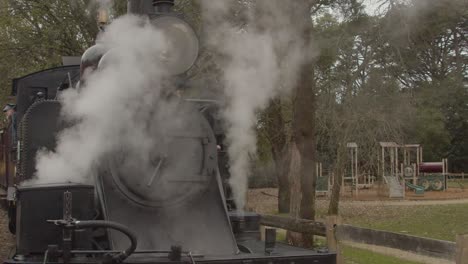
[(122, 255)]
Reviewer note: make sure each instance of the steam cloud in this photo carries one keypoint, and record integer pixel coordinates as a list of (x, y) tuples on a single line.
[(261, 51), (261, 57), (111, 112)]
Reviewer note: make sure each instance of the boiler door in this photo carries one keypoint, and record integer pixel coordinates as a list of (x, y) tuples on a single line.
[(178, 165)]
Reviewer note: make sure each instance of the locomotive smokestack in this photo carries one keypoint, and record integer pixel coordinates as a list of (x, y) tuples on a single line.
[(139, 7), (163, 6)]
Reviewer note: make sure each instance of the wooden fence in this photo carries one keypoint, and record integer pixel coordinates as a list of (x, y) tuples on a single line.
[(334, 231), (295, 225), (419, 245)]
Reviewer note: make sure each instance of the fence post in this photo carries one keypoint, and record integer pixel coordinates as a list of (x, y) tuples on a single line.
[(332, 242), (462, 249)]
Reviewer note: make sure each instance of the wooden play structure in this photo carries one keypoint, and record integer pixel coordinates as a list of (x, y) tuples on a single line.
[(402, 166), (324, 182), (356, 179)]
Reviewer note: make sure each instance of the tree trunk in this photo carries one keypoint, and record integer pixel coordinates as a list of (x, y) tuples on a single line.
[(333, 207), (279, 147), (335, 195), (284, 195), (295, 184), (294, 238), (304, 135)]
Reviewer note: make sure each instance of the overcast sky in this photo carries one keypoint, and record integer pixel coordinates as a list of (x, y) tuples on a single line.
[(372, 6)]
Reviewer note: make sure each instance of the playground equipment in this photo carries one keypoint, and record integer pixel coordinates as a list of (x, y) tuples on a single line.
[(430, 175), (401, 167), (324, 183), (388, 167), (412, 173), (353, 177), (356, 180)]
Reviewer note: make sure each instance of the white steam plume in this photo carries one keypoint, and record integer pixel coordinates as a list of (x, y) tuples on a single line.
[(112, 110), (261, 49)]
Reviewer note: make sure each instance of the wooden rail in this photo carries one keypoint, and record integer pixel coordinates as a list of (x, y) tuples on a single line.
[(334, 231), (295, 225), (419, 245)]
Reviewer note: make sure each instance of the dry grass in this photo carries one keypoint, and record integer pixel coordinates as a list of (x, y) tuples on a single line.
[(439, 219)]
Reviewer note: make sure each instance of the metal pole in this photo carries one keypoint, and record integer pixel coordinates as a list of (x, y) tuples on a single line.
[(444, 173), (352, 166), (403, 179), (321, 169), (378, 163), (443, 166), (392, 162), (418, 159), (383, 162), (396, 160), (317, 169), (421, 155), (404, 155), (356, 171)]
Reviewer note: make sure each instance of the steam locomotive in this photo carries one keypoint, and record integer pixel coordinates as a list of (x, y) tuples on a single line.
[(185, 218)]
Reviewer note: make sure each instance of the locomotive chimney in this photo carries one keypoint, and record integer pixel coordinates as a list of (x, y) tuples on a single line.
[(163, 6), (139, 7)]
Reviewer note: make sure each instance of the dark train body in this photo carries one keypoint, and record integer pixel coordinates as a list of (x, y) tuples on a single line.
[(192, 219)]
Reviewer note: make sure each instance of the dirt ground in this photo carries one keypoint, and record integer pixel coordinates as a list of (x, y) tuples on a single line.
[(6, 239), (265, 200)]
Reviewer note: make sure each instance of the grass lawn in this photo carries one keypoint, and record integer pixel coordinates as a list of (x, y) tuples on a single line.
[(360, 256), (354, 255), (458, 183), (435, 221)]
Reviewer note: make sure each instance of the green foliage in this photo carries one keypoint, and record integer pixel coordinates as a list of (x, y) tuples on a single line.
[(401, 76), (353, 255), (428, 49), (397, 77), (430, 131), (360, 256), (34, 35), (119, 8)]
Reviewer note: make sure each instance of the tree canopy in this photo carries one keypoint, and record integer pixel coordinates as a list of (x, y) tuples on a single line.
[(399, 75)]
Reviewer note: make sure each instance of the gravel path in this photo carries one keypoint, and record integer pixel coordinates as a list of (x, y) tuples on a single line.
[(265, 201), (405, 202), (6, 239)]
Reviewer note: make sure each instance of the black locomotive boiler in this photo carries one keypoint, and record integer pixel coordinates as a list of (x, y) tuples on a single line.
[(181, 215)]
